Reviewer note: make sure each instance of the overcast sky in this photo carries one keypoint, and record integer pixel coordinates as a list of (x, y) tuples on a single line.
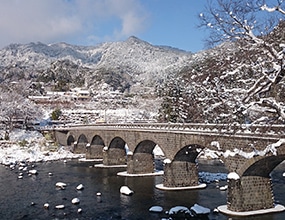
[(89, 22)]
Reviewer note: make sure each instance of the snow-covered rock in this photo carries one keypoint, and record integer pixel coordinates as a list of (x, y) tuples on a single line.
[(179, 209), (75, 201), (33, 172), (59, 206), (61, 185), (80, 187), (223, 188), (156, 209), (200, 210), (126, 191), (46, 206)]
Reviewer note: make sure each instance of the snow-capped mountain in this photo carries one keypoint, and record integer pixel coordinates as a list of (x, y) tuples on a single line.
[(139, 59)]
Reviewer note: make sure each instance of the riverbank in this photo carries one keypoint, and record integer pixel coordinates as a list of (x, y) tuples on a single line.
[(32, 146)]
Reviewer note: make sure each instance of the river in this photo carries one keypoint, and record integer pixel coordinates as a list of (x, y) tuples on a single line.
[(24, 198)]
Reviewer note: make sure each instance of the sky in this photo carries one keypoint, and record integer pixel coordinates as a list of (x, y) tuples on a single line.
[(90, 22)]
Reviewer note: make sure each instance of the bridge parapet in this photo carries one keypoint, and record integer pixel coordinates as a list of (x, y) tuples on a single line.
[(230, 129)]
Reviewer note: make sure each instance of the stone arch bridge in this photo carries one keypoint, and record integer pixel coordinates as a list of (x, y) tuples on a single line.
[(249, 152)]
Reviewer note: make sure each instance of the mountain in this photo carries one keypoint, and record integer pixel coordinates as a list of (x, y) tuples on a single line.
[(142, 62), (235, 82), (119, 75)]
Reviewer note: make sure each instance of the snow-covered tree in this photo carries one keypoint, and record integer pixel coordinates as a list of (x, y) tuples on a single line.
[(247, 73), (16, 108)]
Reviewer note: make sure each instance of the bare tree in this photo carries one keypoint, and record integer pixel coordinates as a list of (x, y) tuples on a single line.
[(16, 108), (256, 29)]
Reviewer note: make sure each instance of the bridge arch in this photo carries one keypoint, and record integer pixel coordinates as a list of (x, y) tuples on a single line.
[(254, 183), (143, 158), (94, 150), (189, 153), (145, 146), (70, 140), (183, 170), (97, 140), (115, 154), (80, 147), (267, 163), (117, 142)]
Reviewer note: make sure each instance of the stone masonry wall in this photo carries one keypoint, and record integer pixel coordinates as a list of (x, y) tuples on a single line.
[(250, 193), (94, 152), (114, 156), (80, 148), (180, 174), (140, 163)]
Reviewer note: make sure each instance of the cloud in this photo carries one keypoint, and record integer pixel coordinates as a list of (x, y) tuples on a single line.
[(74, 21)]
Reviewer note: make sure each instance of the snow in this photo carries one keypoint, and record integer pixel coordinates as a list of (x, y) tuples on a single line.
[(31, 146), (215, 154), (233, 176), (166, 161), (126, 191), (156, 209), (130, 153), (270, 148), (80, 187), (200, 210), (61, 185), (59, 206), (75, 201), (33, 172), (216, 144)]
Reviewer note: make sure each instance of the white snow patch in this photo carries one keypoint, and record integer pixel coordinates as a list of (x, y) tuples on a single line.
[(75, 201), (270, 148), (233, 175), (156, 209), (31, 146), (126, 191), (216, 144), (130, 153), (166, 161), (80, 187), (200, 210)]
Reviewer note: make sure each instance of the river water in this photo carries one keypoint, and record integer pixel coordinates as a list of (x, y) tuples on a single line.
[(24, 198)]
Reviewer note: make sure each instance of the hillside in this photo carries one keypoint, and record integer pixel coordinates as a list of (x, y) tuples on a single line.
[(132, 70), (135, 59), (230, 83)]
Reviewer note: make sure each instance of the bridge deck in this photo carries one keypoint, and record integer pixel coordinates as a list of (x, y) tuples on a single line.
[(244, 130)]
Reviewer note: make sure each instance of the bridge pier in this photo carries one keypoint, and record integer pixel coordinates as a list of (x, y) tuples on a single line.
[(114, 156), (180, 174), (250, 193), (79, 148), (94, 151), (140, 163)]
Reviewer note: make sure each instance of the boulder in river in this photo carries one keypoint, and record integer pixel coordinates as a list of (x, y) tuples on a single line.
[(75, 201), (126, 191)]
